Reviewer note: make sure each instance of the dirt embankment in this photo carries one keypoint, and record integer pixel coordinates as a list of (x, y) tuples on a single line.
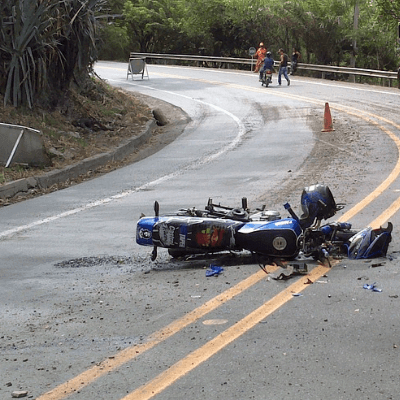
[(87, 124)]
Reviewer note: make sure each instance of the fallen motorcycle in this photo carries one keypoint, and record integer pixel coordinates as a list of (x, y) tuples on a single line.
[(219, 228)]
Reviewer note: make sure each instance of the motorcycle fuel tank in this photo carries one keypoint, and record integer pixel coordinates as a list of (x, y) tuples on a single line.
[(275, 238)]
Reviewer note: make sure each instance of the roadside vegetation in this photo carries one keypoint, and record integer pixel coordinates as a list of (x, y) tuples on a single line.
[(48, 46), (337, 32)]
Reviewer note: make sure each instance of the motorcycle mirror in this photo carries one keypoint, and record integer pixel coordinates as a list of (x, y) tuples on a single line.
[(156, 208), (156, 213), (154, 253)]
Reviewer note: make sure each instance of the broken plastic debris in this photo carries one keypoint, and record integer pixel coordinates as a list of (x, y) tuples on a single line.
[(372, 287), (289, 271), (301, 268), (377, 265), (214, 270), (366, 286)]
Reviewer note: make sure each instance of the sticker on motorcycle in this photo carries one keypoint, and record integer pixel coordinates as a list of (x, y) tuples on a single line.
[(210, 237), (182, 240), (167, 234)]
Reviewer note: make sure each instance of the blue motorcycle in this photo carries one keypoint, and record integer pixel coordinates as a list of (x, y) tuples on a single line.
[(219, 228)]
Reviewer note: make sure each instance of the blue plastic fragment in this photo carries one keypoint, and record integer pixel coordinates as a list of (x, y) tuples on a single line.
[(214, 270), (372, 287), (366, 286)]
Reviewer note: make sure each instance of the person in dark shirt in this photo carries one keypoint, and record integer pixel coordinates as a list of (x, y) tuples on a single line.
[(283, 67), (268, 64), (398, 76), (295, 59)]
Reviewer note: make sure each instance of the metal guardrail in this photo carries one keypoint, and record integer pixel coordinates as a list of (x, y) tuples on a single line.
[(201, 59), (351, 71), (245, 61)]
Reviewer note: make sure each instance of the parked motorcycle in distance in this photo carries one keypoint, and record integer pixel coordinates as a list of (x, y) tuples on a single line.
[(266, 78), (219, 228)]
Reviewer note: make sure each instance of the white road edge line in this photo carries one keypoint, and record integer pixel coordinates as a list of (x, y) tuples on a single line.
[(194, 164)]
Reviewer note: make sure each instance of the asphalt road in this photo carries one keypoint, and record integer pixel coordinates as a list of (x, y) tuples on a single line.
[(85, 314)]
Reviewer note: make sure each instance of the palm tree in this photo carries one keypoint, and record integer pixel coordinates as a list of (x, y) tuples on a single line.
[(44, 44)]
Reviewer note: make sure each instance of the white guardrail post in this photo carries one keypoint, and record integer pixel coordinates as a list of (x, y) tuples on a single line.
[(204, 60)]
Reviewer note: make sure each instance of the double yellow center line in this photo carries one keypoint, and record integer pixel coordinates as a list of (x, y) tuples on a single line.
[(131, 352), (206, 351), (203, 353)]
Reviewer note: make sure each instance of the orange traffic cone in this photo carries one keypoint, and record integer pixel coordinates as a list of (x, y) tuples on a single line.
[(328, 127)]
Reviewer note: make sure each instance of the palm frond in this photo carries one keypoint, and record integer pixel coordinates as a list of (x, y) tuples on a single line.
[(42, 44)]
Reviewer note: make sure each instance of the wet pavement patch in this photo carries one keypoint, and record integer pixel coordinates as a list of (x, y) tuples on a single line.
[(85, 262)]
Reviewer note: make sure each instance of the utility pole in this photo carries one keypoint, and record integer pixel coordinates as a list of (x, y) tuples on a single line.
[(398, 44), (352, 78)]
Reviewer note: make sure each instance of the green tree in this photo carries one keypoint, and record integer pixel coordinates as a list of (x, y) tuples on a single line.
[(390, 9), (155, 25), (255, 22), (322, 26), (377, 39), (114, 42)]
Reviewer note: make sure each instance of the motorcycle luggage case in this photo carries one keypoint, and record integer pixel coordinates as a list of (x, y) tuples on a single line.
[(275, 238)]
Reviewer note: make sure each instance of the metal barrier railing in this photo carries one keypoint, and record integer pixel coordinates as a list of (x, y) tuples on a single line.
[(325, 69)]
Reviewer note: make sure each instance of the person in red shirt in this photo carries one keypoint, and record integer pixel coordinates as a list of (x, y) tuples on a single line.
[(260, 55)]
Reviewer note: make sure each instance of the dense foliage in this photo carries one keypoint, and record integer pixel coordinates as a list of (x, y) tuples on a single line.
[(324, 31), (47, 44)]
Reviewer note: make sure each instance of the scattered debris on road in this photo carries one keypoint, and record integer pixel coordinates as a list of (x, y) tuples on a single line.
[(214, 270)]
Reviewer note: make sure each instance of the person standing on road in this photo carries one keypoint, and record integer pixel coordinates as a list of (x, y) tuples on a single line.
[(283, 67), (260, 55), (398, 76), (295, 59)]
